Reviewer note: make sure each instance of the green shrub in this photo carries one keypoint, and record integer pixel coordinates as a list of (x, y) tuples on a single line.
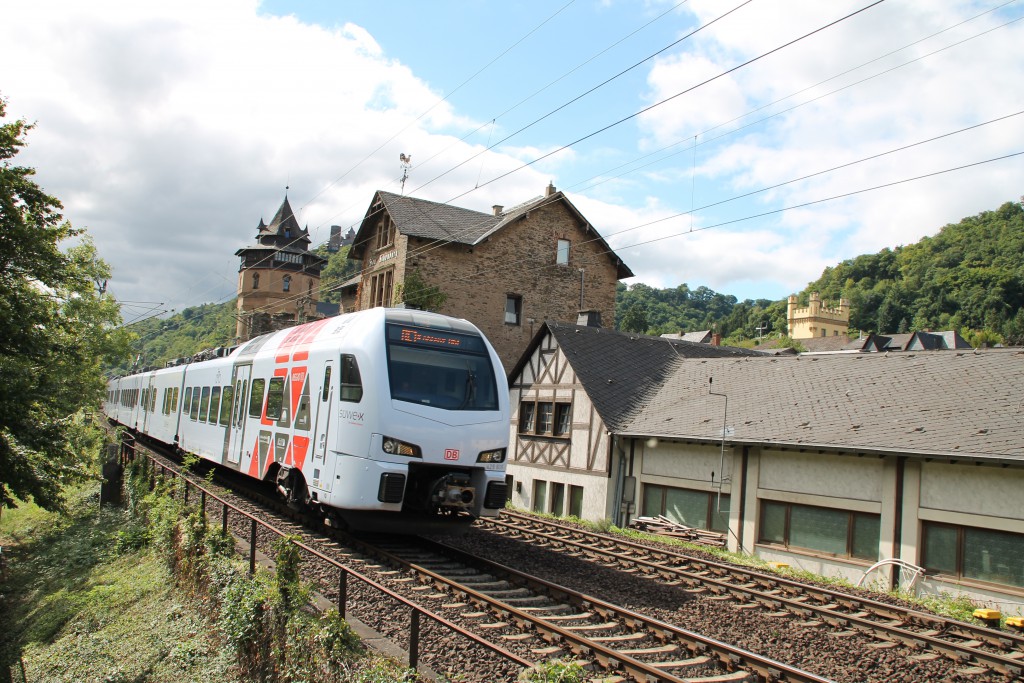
[(555, 671)]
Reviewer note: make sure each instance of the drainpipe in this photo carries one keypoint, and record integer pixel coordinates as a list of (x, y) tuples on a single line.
[(897, 532), (743, 497)]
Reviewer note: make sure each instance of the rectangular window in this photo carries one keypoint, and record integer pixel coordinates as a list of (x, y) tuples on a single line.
[(193, 414), (562, 253), (545, 411), (826, 530), (576, 501), (214, 405), (326, 391), (380, 288), (526, 413), (275, 399), (545, 418), (256, 398), (227, 400), (697, 509), (174, 400), (385, 232), (540, 495), (204, 404), (973, 553), (513, 309), (557, 499), (563, 418), (351, 381), (186, 405)]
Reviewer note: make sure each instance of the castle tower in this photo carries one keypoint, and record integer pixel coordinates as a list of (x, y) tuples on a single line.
[(278, 278), (816, 319)]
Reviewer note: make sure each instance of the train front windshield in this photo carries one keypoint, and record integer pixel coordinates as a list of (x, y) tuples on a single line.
[(442, 369)]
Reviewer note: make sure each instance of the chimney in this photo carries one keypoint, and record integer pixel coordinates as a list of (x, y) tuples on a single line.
[(497, 209), (549, 190), (589, 318), (716, 339)]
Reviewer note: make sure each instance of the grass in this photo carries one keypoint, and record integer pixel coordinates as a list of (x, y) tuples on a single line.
[(76, 609)]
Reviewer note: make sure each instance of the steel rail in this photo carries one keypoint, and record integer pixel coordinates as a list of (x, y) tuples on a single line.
[(1007, 665), (728, 656)]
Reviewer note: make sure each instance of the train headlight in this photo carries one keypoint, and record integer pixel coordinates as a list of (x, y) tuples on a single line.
[(396, 447), (497, 455)]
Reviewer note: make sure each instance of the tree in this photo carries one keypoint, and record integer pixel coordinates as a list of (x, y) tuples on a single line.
[(339, 268), (416, 293), (59, 327), (635, 319)]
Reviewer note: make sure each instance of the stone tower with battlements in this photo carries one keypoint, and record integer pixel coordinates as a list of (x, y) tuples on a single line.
[(816, 319)]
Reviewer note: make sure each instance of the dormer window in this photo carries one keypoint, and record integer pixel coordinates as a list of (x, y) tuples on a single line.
[(288, 232), (286, 283), (562, 253)]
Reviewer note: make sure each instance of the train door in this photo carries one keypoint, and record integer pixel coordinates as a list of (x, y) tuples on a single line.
[(146, 414), (324, 405), (238, 413)]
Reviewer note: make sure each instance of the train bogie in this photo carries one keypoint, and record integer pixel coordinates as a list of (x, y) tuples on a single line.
[(383, 411)]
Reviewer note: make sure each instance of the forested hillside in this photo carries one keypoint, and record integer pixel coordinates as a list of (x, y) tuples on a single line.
[(969, 277), (194, 329)]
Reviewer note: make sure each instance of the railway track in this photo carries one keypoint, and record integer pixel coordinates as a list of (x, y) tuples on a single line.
[(978, 649), (613, 637), (528, 617)]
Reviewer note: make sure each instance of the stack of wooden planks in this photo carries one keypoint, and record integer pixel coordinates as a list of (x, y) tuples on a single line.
[(663, 526)]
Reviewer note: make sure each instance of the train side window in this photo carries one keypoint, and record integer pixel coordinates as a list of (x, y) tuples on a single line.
[(193, 414), (214, 405), (327, 384), (204, 404), (226, 401), (256, 398), (351, 382), (174, 400), (186, 405), (152, 400), (275, 398)]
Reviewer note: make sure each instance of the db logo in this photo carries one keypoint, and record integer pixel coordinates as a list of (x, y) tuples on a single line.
[(451, 454)]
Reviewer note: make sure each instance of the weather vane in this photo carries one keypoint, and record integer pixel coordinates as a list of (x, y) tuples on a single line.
[(406, 161)]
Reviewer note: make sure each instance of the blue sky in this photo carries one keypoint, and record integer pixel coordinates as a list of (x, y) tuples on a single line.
[(170, 129)]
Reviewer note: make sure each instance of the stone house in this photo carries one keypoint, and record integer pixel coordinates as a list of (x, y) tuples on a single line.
[(830, 463), (507, 271)]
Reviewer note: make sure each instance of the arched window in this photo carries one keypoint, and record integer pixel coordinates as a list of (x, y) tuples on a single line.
[(255, 280), (287, 283)]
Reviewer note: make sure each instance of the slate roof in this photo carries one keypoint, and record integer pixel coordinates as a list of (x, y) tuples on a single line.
[(951, 404), (282, 221), (701, 337), (436, 221), (618, 369), (444, 222)]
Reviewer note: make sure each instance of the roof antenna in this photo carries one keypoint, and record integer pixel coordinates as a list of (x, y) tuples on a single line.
[(406, 162)]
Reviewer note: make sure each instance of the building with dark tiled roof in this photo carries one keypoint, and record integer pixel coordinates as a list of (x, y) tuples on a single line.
[(829, 463), (506, 271), (278, 277), (574, 387)]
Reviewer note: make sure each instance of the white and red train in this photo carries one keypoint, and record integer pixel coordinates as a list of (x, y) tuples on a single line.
[(382, 414)]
